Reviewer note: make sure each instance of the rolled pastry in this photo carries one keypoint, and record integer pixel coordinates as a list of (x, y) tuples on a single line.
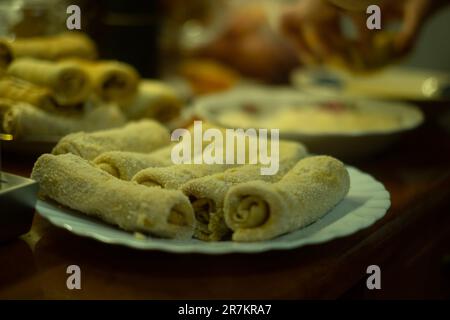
[(124, 165), (111, 80), (68, 82), (142, 136), (259, 210), (18, 90), (207, 193), (154, 100), (173, 177), (25, 120), (65, 45), (75, 183)]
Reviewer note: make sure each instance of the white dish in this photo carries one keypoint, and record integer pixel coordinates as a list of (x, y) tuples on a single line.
[(342, 144), (394, 83), (366, 202)]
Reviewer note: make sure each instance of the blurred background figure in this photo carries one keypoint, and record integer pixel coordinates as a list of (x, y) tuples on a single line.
[(315, 26), (266, 40), (213, 44)]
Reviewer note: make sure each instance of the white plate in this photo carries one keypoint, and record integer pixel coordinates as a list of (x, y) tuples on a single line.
[(366, 202), (343, 145), (395, 83)]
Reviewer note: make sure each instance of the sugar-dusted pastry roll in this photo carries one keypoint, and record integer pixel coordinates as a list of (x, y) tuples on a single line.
[(141, 136), (155, 100), (19, 90), (111, 80), (25, 120), (68, 82), (75, 183), (173, 177), (65, 45), (207, 193), (259, 210), (124, 165)]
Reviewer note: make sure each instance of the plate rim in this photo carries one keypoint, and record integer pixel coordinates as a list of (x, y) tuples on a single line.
[(417, 117), (217, 248)]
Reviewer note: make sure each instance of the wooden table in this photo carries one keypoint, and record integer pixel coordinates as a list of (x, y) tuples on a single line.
[(411, 245)]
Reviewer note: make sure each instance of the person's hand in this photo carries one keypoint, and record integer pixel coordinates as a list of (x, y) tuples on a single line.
[(314, 27)]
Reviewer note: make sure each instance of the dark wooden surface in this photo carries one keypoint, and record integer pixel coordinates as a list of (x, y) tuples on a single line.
[(411, 245)]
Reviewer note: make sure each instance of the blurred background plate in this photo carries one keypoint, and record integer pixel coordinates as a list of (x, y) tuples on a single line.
[(366, 203), (395, 83), (251, 103)]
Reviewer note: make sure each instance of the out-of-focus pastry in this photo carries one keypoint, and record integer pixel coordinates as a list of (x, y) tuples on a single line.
[(19, 90), (24, 120), (75, 183), (68, 82), (154, 100), (259, 210), (207, 76), (112, 81), (65, 45), (142, 136)]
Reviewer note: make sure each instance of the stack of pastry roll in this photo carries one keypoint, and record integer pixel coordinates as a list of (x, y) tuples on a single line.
[(126, 177), (23, 120), (112, 81), (69, 83), (207, 193), (23, 91), (60, 75), (75, 183), (64, 45), (259, 210), (154, 100), (140, 136)]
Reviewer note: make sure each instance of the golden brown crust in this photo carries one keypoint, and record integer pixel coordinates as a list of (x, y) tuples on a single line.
[(75, 183)]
